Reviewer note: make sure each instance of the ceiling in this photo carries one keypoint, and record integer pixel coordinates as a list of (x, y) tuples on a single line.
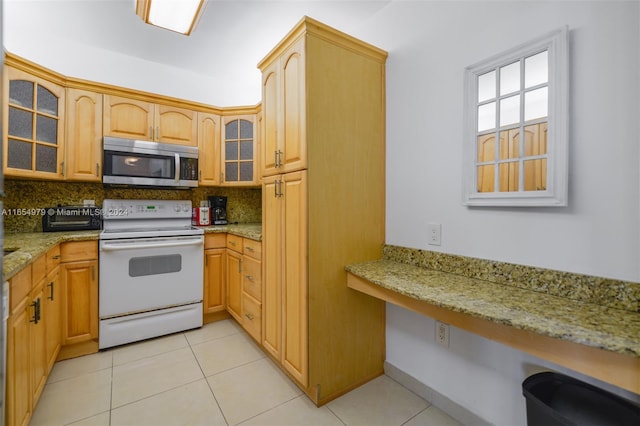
[(230, 39)]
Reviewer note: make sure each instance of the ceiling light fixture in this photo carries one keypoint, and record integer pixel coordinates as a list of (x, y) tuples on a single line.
[(176, 15)]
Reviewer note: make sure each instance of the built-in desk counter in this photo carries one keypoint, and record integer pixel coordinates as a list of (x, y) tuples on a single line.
[(596, 339)]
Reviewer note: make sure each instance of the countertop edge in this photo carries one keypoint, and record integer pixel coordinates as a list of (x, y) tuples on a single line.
[(418, 283)]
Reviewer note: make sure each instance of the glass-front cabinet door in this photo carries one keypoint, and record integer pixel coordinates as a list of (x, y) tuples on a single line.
[(34, 127), (239, 138)]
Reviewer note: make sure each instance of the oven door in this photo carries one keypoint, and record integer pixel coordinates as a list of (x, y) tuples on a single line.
[(143, 274)]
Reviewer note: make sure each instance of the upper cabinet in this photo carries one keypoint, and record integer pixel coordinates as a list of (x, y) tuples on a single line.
[(239, 151), (283, 88), (135, 119), (208, 149), (34, 129), (84, 136)]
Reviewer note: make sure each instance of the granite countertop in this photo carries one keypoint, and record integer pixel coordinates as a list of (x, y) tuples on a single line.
[(589, 324), (32, 245)]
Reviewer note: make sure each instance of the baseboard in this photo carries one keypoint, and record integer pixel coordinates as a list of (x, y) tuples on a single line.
[(453, 409)]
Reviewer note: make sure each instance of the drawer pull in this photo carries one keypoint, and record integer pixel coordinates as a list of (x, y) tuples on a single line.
[(249, 248), (249, 277), (56, 257)]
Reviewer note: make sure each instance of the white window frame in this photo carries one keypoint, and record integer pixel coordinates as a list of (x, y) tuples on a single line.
[(555, 194)]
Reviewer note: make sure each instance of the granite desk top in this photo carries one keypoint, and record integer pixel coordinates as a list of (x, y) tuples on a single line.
[(30, 246), (589, 324)]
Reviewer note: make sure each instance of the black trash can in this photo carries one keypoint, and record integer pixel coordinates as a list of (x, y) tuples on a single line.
[(557, 400)]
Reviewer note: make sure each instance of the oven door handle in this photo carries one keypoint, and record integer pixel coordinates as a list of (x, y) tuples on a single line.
[(116, 247)]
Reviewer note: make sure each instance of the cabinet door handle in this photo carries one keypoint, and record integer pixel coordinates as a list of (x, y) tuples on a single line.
[(62, 168), (157, 133), (151, 132), (93, 272), (249, 316), (97, 169), (240, 265), (34, 318), (249, 277), (51, 292)]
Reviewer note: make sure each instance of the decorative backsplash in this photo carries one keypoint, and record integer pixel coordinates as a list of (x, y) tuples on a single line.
[(244, 205), (585, 288)]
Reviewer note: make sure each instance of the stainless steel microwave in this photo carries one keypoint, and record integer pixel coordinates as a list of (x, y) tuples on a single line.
[(143, 163)]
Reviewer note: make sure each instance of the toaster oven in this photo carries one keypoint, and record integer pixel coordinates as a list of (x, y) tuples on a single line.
[(71, 218)]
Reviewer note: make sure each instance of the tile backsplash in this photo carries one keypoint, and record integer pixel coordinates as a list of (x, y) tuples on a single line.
[(244, 205)]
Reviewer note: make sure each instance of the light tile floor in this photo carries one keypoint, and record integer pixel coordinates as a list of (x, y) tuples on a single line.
[(215, 375)]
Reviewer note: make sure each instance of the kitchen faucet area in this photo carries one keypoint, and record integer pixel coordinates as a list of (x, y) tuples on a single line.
[(392, 213)]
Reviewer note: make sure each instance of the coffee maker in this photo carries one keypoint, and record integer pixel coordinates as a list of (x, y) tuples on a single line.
[(218, 209)]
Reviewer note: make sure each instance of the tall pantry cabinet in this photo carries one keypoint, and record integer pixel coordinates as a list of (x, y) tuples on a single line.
[(323, 168)]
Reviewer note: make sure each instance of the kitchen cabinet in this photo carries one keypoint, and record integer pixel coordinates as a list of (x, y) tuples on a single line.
[(31, 328), (323, 207), (284, 109), (252, 288), (34, 130), (18, 369), (79, 277), (53, 306), (234, 276), (84, 136), (238, 151), (285, 302), (215, 256), (209, 131), (136, 119)]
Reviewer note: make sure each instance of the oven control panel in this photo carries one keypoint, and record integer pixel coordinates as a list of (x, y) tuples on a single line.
[(133, 209)]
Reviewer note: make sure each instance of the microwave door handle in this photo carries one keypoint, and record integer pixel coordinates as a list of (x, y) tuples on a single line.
[(177, 157)]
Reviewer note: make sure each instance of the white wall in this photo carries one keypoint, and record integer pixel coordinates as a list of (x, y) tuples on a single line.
[(430, 43)]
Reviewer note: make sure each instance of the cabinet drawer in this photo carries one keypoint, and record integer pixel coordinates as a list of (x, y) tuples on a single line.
[(252, 248), (53, 258), (251, 277), (234, 243), (78, 250), (252, 317), (215, 241)]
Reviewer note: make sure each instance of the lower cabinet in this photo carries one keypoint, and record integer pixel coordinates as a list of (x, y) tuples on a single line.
[(19, 398), (244, 283), (33, 335), (79, 282), (234, 276), (215, 258)]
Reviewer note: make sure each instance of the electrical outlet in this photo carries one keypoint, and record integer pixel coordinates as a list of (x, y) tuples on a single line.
[(435, 231), (442, 334)]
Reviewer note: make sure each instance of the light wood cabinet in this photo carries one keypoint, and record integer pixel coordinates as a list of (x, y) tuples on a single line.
[(209, 130), (79, 276), (136, 119), (31, 325), (215, 256), (53, 306), (252, 288), (323, 108), (19, 383), (34, 126), (285, 300), (84, 136), (284, 110), (234, 276), (239, 152)]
